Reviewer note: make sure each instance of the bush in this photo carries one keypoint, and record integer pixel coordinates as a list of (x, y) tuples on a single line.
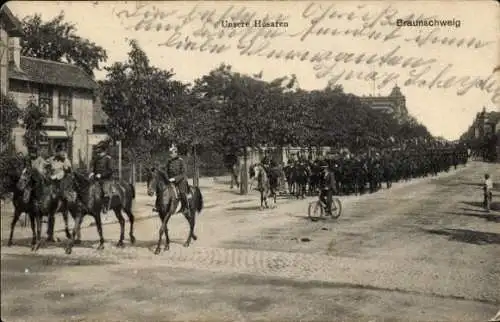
[(10, 115)]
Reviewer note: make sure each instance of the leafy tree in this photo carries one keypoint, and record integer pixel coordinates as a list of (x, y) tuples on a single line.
[(34, 118), (10, 115), (57, 40), (239, 110), (141, 101)]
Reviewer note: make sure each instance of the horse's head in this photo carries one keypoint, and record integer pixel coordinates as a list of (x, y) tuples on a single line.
[(25, 178), (155, 181), (259, 171)]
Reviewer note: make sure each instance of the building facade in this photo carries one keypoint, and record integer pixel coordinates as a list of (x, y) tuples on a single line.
[(62, 90), (10, 27), (394, 104)]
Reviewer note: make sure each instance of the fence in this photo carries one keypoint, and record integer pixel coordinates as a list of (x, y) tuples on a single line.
[(210, 163)]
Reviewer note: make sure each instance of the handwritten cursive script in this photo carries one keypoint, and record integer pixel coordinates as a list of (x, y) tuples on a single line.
[(201, 29)]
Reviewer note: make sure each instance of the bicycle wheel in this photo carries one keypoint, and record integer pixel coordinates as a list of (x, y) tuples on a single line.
[(315, 210), (336, 208)]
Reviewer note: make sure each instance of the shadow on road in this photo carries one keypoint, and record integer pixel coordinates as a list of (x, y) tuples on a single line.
[(256, 207), (26, 242), (467, 236), (472, 213), (479, 204)]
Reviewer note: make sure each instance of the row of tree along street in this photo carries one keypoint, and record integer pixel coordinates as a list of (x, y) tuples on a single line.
[(224, 111)]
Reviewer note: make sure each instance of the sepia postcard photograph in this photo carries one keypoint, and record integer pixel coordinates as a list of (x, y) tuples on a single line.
[(250, 161)]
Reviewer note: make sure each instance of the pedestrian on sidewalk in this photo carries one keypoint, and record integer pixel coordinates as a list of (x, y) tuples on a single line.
[(488, 194)]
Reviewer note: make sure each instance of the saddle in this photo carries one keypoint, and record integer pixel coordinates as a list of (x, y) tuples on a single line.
[(177, 192)]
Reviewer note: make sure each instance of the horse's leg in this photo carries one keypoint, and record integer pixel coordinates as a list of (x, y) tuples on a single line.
[(121, 220), (163, 230), (131, 220), (98, 223), (33, 227), (50, 227), (65, 218), (17, 214), (38, 219), (189, 215), (78, 217)]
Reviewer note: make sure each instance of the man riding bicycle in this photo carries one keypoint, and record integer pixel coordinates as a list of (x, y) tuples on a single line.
[(328, 187)]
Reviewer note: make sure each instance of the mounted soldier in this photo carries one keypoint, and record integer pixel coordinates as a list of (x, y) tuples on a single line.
[(176, 171), (37, 162), (61, 167), (102, 170)]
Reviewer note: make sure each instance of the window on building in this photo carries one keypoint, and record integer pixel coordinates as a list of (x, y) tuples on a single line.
[(65, 107), (45, 100)]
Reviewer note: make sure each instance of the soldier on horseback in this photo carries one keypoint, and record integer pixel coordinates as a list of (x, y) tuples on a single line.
[(176, 173), (37, 162), (61, 167), (102, 170)]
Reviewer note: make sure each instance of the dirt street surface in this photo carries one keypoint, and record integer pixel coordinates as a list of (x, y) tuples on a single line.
[(422, 251)]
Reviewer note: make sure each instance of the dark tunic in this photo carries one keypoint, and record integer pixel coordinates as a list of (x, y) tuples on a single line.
[(102, 165), (176, 169)]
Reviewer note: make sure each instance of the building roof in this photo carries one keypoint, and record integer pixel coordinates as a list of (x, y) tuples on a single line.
[(49, 72), (12, 24)]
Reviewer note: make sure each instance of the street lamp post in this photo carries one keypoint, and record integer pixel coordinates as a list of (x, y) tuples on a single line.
[(70, 126)]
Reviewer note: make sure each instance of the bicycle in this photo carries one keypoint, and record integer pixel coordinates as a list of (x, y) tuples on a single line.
[(317, 210)]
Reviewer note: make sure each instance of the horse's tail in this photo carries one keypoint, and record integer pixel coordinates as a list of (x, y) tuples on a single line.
[(132, 190), (198, 199)]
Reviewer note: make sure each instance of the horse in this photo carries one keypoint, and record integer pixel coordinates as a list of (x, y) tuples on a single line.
[(168, 203), (91, 201), (23, 206), (235, 170), (288, 169), (263, 185), (43, 201), (300, 178)]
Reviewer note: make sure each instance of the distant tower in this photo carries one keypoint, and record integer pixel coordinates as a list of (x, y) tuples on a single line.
[(400, 101)]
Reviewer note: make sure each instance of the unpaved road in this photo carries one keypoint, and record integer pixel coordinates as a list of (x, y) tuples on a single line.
[(422, 251)]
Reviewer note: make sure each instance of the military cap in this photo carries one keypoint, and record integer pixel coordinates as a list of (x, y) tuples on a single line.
[(59, 148), (101, 146), (173, 148)]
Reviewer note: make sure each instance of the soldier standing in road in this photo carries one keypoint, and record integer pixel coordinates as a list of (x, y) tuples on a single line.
[(102, 170), (176, 173)]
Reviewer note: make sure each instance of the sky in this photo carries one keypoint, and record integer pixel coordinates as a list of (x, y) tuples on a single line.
[(445, 72)]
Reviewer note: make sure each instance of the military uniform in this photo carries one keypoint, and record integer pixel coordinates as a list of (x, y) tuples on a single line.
[(176, 173), (328, 186), (102, 170), (38, 164), (61, 166)]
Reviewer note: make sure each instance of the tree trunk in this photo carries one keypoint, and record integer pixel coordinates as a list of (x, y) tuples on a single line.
[(196, 172), (244, 174), (133, 172), (119, 160)]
